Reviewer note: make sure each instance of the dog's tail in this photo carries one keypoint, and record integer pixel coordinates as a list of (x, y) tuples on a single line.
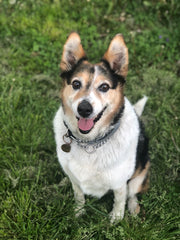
[(139, 106)]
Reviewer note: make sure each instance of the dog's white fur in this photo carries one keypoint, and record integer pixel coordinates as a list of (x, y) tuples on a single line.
[(109, 167)]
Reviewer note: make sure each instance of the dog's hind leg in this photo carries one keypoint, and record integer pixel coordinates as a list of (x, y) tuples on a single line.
[(79, 199), (119, 204), (138, 183)]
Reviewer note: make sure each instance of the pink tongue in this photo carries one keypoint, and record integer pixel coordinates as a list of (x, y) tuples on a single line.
[(85, 124)]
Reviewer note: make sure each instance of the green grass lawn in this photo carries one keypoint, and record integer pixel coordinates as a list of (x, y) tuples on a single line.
[(33, 203)]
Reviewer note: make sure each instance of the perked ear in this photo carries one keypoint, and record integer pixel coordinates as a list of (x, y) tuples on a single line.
[(117, 55), (72, 52)]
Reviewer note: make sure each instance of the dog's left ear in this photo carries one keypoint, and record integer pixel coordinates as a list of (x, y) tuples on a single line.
[(117, 56), (72, 52)]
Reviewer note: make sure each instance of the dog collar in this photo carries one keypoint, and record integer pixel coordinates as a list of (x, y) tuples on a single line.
[(88, 146)]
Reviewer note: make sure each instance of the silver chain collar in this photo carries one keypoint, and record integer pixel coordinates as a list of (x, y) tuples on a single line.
[(90, 146)]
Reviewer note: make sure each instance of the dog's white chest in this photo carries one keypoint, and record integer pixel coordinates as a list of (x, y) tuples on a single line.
[(98, 172), (91, 180)]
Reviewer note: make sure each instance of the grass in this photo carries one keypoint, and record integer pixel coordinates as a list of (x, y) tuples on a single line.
[(33, 205)]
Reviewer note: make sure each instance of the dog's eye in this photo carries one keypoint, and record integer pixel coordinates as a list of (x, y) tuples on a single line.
[(76, 84), (104, 87)]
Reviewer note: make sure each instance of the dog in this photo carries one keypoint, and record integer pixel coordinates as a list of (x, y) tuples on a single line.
[(101, 144)]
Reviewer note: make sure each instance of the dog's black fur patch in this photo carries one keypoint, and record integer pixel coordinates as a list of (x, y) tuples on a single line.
[(92, 70), (142, 156), (106, 70), (68, 74), (114, 77)]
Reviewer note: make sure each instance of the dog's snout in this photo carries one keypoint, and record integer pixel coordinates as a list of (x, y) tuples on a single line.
[(85, 109)]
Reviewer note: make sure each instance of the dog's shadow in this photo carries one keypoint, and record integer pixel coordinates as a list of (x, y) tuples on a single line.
[(102, 206)]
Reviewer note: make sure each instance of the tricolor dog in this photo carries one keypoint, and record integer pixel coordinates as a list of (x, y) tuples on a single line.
[(100, 140)]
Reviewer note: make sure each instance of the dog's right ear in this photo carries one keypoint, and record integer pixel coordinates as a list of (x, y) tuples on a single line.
[(72, 52)]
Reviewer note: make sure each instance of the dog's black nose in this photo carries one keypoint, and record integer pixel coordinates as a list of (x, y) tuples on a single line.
[(85, 109)]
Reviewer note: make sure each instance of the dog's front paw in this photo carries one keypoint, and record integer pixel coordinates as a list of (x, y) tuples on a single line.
[(116, 216), (79, 211)]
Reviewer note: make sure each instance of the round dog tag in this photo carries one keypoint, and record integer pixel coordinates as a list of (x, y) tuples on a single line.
[(90, 149), (66, 147)]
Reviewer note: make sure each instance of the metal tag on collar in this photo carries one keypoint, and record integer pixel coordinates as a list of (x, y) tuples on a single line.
[(90, 149), (67, 146)]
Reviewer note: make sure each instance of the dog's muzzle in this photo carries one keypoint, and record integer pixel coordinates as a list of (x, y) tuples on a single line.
[(85, 123), (85, 109)]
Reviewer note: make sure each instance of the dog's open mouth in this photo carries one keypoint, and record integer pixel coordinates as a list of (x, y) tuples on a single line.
[(86, 124)]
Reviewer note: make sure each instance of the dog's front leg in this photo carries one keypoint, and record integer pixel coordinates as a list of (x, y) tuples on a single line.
[(79, 199), (119, 204)]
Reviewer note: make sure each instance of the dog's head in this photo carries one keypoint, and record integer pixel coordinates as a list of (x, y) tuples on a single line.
[(92, 96)]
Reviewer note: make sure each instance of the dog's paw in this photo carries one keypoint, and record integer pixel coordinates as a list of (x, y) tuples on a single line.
[(133, 206), (64, 182), (79, 211), (116, 216)]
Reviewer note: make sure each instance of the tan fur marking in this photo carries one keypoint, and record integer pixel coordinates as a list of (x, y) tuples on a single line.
[(117, 100), (81, 94), (144, 186), (137, 210), (66, 91), (85, 78)]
